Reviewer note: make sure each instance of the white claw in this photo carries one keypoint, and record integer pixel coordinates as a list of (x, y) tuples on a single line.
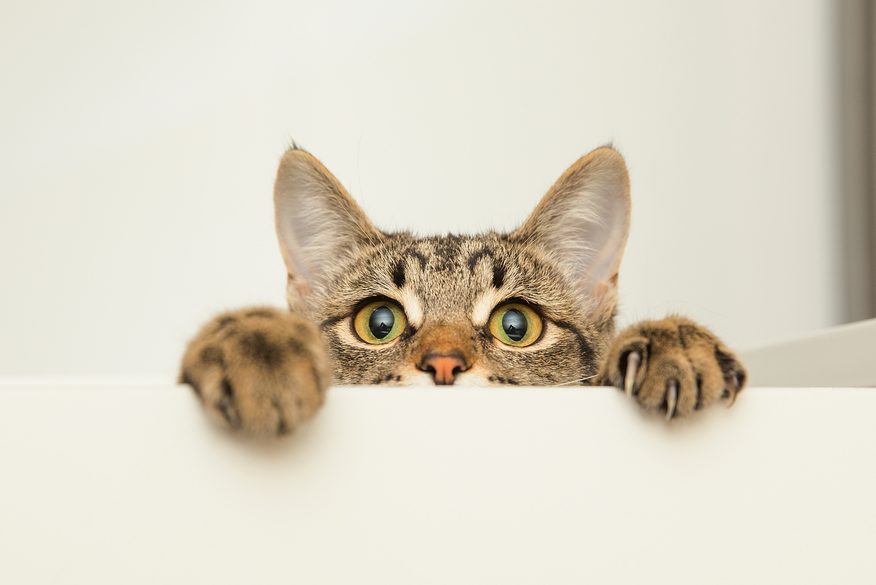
[(671, 398), (633, 361)]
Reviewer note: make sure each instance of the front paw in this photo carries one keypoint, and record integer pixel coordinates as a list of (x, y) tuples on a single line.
[(261, 371), (674, 366)]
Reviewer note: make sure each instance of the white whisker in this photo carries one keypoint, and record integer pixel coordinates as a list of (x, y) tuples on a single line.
[(573, 381)]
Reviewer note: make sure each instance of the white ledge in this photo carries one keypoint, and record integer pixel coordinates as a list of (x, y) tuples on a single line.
[(425, 485)]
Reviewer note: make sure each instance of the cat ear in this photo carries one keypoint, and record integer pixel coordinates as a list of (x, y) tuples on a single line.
[(583, 222), (317, 221)]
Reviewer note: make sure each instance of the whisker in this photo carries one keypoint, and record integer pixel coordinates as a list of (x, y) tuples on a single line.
[(478, 382), (573, 381)]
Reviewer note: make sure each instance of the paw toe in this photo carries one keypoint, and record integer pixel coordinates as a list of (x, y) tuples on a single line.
[(669, 386), (626, 364)]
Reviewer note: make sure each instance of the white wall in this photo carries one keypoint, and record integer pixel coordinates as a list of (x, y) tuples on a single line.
[(139, 142)]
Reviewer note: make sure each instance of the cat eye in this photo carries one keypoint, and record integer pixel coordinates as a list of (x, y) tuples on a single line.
[(515, 324), (379, 322)]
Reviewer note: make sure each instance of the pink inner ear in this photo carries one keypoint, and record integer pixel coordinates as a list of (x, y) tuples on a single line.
[(583, 220), (316, 219), (297, 292), (584, 227), (603, 299), (301, 286), (608, 239)]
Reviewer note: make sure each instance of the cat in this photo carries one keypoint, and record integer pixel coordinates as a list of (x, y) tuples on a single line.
[(533, 307)]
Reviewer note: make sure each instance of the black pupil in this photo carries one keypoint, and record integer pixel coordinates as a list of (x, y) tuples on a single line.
[(381, 322), (514, 324)]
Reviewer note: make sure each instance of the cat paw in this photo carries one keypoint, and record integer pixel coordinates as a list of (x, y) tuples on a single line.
[(673, 366), (260, 371)]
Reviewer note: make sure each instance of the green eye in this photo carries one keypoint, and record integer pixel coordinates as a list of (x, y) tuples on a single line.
[(515, 324), (379, 322)]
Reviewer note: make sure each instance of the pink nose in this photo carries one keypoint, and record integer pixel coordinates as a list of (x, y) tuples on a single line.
[(443, 366)]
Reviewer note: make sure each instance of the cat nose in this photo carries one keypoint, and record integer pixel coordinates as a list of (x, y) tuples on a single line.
[(444, 367)]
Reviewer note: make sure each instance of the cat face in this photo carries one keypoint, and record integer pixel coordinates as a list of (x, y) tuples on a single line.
[(535, 306)]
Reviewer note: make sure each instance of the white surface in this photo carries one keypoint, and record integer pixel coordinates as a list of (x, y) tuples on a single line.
[(839, 356), (108, 485), (139, 143)]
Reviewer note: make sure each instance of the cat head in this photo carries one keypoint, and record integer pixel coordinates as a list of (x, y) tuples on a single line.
[(535, 306)]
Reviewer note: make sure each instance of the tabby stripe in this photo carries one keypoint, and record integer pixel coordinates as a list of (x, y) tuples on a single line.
[(498, 274), (586, 349), (499, 270), (420, 258), (330, 321), (398, 274)]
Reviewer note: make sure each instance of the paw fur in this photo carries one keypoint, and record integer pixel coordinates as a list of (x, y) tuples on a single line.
[(261, 371), (673, 366)]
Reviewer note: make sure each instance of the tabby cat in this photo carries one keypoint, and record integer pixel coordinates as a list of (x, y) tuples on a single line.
[(534, 307)]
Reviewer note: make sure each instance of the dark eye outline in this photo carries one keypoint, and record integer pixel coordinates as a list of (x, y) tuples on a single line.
[(494, 323), (362, 314)]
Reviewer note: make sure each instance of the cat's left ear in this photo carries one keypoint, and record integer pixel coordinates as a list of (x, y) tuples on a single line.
[(318, 223), (583, 222)]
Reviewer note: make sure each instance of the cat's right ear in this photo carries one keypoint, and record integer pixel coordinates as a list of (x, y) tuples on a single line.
[(582, 222), (317, 221)]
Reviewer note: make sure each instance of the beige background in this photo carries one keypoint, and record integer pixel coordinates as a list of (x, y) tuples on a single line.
[(139, 142)]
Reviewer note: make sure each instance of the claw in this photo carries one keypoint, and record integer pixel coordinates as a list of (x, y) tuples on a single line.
[(671, 398), (633, 361), (732, 388)]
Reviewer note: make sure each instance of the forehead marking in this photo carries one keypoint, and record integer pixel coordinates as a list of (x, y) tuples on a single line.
[(412, 306), (498, 265), (413, 253), (498, 274), (484, 306), (398, 274)]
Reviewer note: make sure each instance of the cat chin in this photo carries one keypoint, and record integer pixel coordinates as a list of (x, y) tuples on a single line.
[(416, 378), (473, 377)]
